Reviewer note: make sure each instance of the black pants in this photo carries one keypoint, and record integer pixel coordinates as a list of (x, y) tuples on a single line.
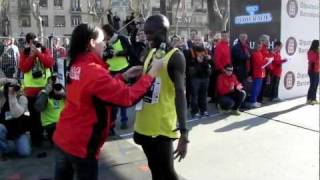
[(67, 165), (159, 152), (212, 92), (50, 130), (232, 100), (274, 87), (199, 87), (35, 126), (314, 82)]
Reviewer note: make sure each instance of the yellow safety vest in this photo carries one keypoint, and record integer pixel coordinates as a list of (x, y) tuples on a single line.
[(52, 112), (117, 63), (29, 81), (159, 118)]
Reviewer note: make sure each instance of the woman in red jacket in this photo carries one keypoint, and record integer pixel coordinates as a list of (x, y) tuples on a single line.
[(259, 63), (313, 71), (276, 71), (91, 90)]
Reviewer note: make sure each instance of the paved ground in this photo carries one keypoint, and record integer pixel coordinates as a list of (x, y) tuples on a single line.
[(275, 142)]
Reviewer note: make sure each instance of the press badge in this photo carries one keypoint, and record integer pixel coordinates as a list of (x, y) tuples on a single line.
[(8, 116), (152, 95)]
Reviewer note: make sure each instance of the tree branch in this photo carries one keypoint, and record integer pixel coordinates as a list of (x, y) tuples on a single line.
[(217, 9)]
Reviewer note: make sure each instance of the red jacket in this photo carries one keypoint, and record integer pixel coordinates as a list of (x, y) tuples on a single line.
[(314, 62), (277, 64), (26, 63), (85, 120), (258, 61), (222, 55), (226, 84)]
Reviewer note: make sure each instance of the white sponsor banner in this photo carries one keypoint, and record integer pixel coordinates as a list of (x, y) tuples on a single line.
[(299, 26)]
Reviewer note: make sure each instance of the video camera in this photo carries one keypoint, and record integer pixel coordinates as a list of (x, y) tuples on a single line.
[(37, 44), (16, 87), (56, 85), (108, 53)]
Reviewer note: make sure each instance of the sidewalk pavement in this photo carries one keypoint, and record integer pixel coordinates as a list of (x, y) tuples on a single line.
[(275, 142)]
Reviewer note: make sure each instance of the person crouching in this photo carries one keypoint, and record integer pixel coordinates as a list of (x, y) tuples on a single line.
[(230, 91)]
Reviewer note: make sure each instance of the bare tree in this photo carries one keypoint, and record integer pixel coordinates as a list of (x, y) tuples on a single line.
[(163, 7), (141, 7), (218, 14), (37, 16), (97, 12), (223, 12), (4, 19)]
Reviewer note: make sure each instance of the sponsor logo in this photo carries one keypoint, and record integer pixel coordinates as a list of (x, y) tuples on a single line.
[(253, 17), (289, 80), (292, 8), (291, 46)]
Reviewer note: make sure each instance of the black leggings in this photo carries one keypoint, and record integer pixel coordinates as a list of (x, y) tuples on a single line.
[(159, 152), (68, 166)]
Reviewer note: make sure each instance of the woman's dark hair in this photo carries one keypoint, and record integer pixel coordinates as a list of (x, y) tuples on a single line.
[(314, 45), (108, 29), (30, 36), (80, 39)]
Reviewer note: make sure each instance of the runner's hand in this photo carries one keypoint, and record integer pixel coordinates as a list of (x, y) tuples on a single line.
[(182, 147)]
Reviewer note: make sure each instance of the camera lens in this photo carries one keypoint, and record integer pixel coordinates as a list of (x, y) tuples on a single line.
[(57, 87)]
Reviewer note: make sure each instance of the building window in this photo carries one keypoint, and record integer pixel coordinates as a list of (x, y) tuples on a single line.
[(59, 21), (58, 3), (24, 4), (25, 21), (75, 5), (43, 3), (45, 21), (75, 20), (98, 4)]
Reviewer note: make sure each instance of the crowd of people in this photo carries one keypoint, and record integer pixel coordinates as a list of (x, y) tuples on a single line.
[(107, 72)]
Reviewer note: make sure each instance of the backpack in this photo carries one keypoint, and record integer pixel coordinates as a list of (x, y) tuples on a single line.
[(8, 63)]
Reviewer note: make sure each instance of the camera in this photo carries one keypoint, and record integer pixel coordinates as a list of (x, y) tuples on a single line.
[(15, 87), (36, 72), (37, 44), (108, 53), (55, 85)]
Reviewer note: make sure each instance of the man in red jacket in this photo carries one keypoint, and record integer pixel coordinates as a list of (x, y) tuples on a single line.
[(230, 91), (276, 71), (222, 54), (35, 62)]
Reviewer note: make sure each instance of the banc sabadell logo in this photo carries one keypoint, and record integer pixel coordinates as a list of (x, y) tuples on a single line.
[(253, 17), (292, 8), (289, 80), (291, 46)]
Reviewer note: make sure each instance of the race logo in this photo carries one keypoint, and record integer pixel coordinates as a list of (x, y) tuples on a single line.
[(292, 8), (253, 17), (291, 46), (289, 80)]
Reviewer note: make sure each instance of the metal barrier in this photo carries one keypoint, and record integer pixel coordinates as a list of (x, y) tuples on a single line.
[(48, 42)]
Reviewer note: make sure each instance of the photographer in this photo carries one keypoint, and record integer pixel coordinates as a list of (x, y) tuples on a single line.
[(199, 70), (13, 121), (35, 63), (50, 103), (117, 55)]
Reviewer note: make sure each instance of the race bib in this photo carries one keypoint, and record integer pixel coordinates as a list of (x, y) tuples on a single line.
[(139, 105), (152, 95)]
